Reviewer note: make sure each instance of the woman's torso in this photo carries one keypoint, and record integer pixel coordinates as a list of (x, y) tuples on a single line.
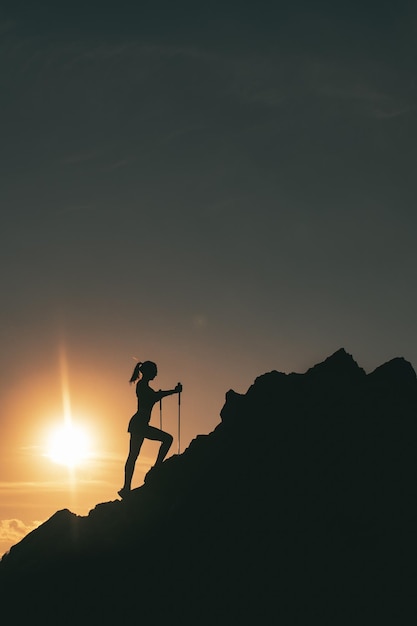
[(146, 399)]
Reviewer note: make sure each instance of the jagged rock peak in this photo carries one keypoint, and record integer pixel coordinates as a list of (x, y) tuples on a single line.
[(340, 363), (397, 369)]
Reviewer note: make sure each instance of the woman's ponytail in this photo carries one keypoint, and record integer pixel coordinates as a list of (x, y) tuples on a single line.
[(136, 372)]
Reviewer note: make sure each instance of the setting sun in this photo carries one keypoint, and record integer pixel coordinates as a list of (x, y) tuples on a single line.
[(68, 445)]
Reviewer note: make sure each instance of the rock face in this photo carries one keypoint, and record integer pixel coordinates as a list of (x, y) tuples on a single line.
[(299, 507)]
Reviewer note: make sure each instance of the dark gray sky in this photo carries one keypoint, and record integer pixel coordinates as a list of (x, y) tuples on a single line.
[(225, 189)]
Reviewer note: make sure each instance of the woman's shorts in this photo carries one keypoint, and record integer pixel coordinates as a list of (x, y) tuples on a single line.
[(137, 424)]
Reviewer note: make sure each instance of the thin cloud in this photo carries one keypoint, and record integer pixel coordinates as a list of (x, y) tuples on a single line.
[(377, 103), (267, 79), (22, 488), (116, 165), (274, 79), (396, 110), (80, 158), (75, 208), (13, 530)]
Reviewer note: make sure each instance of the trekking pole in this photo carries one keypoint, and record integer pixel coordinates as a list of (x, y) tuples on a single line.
[(160, 413), (179, 421)]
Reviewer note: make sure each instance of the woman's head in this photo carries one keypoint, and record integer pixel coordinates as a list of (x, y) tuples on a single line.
[(146, 370)]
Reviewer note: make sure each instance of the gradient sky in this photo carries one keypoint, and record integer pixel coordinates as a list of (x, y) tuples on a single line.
[(225, 189)]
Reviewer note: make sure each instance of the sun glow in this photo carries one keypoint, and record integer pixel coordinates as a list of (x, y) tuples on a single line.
[(68, 445)]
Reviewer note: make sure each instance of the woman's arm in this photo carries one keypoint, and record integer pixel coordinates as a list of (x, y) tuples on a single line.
[(169, 392)]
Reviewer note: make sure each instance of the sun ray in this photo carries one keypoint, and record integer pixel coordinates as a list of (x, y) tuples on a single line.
[(68, 442), (66, 402)]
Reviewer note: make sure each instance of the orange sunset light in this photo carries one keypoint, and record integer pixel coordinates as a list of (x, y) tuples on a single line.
[(68, 443)]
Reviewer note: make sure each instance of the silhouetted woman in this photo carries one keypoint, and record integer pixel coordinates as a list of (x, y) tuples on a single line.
[(139, 428)]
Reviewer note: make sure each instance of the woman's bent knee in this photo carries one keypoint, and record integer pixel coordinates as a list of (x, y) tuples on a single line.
[(168, 439)]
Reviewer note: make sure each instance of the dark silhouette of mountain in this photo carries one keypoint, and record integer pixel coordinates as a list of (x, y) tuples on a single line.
[(299, 508)]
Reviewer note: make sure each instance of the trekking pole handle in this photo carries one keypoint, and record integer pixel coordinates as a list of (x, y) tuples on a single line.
[(179, 417)]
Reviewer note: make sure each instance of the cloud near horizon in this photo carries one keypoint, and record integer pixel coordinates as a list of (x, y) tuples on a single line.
[(12, 531)]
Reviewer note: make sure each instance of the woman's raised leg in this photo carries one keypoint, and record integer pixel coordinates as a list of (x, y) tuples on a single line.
[(155, 434)]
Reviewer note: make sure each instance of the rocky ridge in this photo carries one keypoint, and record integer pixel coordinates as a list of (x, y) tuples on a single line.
[(300, 505)]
